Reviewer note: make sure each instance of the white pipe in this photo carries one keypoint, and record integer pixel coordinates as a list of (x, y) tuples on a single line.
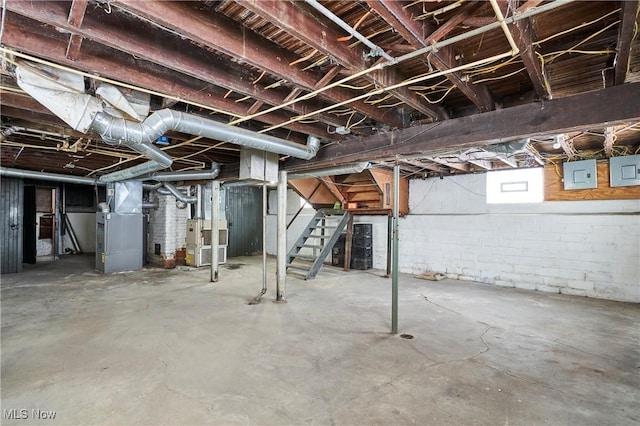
[(496, 9), (432, 47), (395, 86), (419, 52)]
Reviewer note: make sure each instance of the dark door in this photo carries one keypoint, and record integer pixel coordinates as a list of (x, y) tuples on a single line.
[(29, 229), (11, 206), (244, 217)]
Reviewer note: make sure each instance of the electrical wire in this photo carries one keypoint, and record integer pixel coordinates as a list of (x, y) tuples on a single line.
[(453, 86), (511, 74), (585, 24)]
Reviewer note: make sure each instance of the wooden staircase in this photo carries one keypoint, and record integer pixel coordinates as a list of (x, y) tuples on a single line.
[(319, 237)]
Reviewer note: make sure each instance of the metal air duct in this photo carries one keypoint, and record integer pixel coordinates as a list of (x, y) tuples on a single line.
[(186, 175), (331, 171), (64, 95), (118, 130), (169, 189), (29, 174)]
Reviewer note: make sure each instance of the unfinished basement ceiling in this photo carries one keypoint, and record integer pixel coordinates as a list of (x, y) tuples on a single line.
[(232, 60)]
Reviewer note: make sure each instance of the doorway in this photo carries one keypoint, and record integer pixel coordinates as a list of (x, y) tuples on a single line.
[(244, 217)]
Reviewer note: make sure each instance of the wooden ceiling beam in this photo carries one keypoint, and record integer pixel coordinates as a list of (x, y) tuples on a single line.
[(413, 32), (628, 21), (524, 36), (290, 17), (220, 33), (424, 166), (464, 167), (76, 15), (166, 54), (562, 115), (22, 35)]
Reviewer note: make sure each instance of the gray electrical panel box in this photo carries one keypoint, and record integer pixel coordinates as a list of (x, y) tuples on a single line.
[(580, 175), (624, 171)]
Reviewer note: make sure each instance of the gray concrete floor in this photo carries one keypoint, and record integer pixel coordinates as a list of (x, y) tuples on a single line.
[(166, 346)]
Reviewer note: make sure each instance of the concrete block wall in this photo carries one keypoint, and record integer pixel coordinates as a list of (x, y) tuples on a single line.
[(167, 227), (586, 248)]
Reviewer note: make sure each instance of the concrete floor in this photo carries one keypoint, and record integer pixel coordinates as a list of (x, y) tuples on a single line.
[(166, 346)]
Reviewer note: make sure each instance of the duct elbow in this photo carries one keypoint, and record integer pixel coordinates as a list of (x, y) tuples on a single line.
[(313, 146)]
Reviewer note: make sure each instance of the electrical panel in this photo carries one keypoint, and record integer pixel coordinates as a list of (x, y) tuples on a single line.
[(580, 175), (624, 171)]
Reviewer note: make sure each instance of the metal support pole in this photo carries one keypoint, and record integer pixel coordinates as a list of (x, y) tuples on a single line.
[(264, 242), (215, 229), (281, 281), (389, 243), (394, 266)]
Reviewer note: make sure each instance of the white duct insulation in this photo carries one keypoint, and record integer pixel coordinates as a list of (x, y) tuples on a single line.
[(62, 92)]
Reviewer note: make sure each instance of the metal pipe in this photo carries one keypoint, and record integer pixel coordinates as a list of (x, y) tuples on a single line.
[(432, 47), (377, 50), (215, 229), (331, 171), (281, 281), (54, 177), (392, 87), (264, 243), (8, 132), (151, 186), (117, 130), (419, 52), (199, 214), (178, 194), (394, 266), (149, 205), (478, 31), (185, 175)]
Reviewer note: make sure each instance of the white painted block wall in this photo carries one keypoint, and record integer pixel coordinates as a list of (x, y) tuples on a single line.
[(296, 228), (84, 225), (588, 248), (167, 227)]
